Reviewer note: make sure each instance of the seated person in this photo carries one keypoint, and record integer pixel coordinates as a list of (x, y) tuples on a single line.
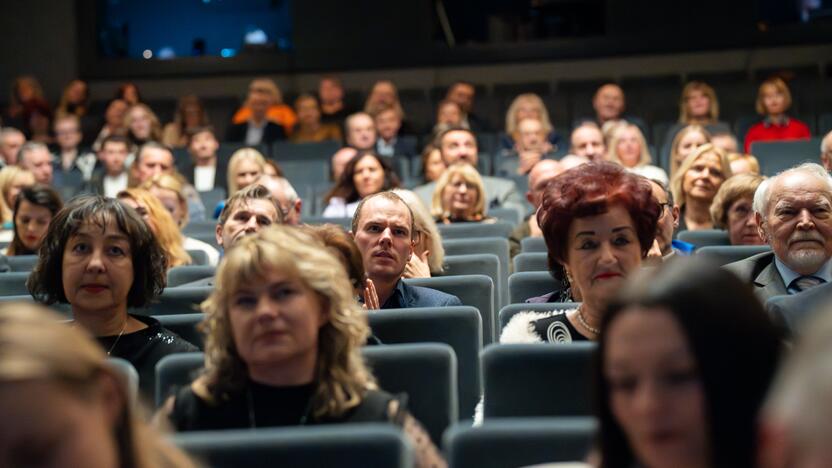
[(726, 141), (35, 157), (732, 209), (331, 95), (698, 105), (385, 94), (528, 106), (448, 114), (629, 148), (161, 224), (34, 209), (539, 177), (253, 125), (100, 257), (245, 167), (383, 229), (365, 174), (773, 101), (459, 196), (463, 94), (695, 185), (12, 180), (743, 164), (285, 196), (587, 141), (11, 139), (204, 169), (309, 128), (388, 122), (826, 151), (73, 160), (609, 104), (665, 247), (360, 131), (339, 161), (141, 125), (112, 176), (428, 253), (530, 147), (190, 115), (342, 245), (684, 143), (154, 158), (283, 341), (432, 164), (113, 122)]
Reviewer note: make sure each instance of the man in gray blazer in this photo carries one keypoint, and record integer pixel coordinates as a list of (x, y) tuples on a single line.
[(794, 215), (458, 144)]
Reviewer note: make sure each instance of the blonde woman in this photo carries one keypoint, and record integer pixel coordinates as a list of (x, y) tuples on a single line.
[(141, 125), (685, 142), (428, 253), (245, 166), (629, 148), (283, 339), (773, 102), (696, 184), (527, 106), (698, 104), (160, 223), (12, 180), (459, 196), (54, 376)]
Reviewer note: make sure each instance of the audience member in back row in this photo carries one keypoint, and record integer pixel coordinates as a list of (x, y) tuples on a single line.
[(743, 163), (75, 162), (665, 247), (428, 253), (463, 93), (684, 143), (732, 209), (283, 284), (12, 180), (161, 224), (459, 196), (384, 231), (112, 175), (101, 258), (34, 209), (141, 125), (113, 122), (674, 388), (773, 101), (588, 141), (331, 95), (309, 128), (69, 405), (129, 93), (360, 131), (698, 105), (204, 169), (388, 124), (365, 174), (528, 106), (609, 105), (343, 247), (530, 147), (794, 214), (339, 161), (629, 148), (695, 185), (11, 139), (190, 115), (460, 145), (826, 151), (286, 197), (539, 177), (598, 221), (264, 118), (432, 164), (36, 158), (155, 158)]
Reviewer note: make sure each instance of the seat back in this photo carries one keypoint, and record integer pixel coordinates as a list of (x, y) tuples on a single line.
[(22, 263), (458, 327), (317, 151), (128, 373), (473, 290), (725, 254), (526, 284), (469, 230), (705, 237), (174, 371), (475, 264), (522, 380), (211, 198), (181, 300), (14, 283), (315, 220), (352, 445), (531, 261), (776, 156), (198, 257), (519, 442), (509, 311), (533, 244), (509, 215), (185, 325), (180, 275), (493, 245)]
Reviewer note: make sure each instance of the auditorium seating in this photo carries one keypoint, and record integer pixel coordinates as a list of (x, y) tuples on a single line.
[(475, 264), (527, 284), (126, 371), (776, 156), (493, 245), (532, 244), (22, 263), (705, 237), (184, 274), (14, 283), (469, 230), (473, 290), (725, 254), (531, 261), (185, 325), (509, 311)]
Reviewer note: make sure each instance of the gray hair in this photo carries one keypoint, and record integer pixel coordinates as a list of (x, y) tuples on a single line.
[(8, 131), (29, 147), (762, 197)]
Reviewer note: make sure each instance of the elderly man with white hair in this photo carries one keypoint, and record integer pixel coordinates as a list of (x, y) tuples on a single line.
[(794, 215), (286, 196)]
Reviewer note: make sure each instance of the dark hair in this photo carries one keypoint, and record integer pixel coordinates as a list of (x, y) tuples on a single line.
[(254, 191), (116, 139), (456, 128), (39, 195), (589, 190), (345, 187), (734, 343), (122, 90), (149, 264)]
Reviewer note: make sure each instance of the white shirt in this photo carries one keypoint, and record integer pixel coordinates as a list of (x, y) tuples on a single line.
[(204, 178), (338, 208), (114, 185), (254, 134)]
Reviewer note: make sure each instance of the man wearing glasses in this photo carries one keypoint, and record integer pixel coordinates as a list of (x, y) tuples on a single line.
[(665, 246)]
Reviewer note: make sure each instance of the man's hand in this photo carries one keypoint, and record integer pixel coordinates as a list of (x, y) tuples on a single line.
[(370, 296)]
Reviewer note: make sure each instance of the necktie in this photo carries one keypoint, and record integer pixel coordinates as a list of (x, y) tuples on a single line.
[(805, 282)]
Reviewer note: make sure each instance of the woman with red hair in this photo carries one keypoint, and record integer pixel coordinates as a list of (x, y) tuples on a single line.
[(598, 221)]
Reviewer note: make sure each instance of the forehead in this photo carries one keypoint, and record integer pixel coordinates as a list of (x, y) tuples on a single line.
[(384, 210), (156, 156), (255, 206), (458, 138), (799, 186), (530, 125), (652, 330), (658, 192), (709, 159), (584, 134), (610, 91), (367, 160), (361, 120), (101, 226)]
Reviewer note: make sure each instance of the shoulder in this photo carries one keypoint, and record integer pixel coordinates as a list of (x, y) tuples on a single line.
[(748, 268), (163, 340), (428, 297)]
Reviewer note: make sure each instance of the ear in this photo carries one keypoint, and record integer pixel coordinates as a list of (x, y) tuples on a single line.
[(675, 212), (218, 234), (529, 197), (762, 228), (298, 205)]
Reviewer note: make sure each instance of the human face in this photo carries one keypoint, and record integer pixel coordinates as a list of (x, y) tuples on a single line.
[(98, 269), (704, 178), (17, 185), (531, 136), (742, 223), (31, 222), (170, 200), (459, 198), (459, 146), (384, 238), (539, 177), (258, 102), (589, 143), (191, 114), (688, 144), (77, 92), (368, 176), (67, 134), (668, 220), (54, 427), (131, 94), (628, 147), (140, 123), (434, 166), (388, 124), (142, 211), (798, 224), (361, 132), (115, 113), (463, 95), (204, 147), (113, 156), (774, 101), (340, 160), (655, 390), (246, 173), (699, 104), (609, 102), (602, 251), (383, 93), (248, 217), (11, 146), (275, 321), (527, 109), (449, 114), (330, 92), (153, 161), (308, 113), (39, 162)]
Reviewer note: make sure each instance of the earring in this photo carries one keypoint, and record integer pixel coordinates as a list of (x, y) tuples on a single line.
[(568, 276)]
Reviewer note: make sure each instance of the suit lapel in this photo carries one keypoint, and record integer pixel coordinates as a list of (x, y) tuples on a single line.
[(770, 280)]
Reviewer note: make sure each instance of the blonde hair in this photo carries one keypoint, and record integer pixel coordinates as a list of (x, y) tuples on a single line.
[(612, 153), (165, 229), (511, 113), (470, 176), (35, 345), (677, 140), (155, 126), (749, 158), (678, 179), (424, 224), (8, 175), (733, 189), (266, 86), (713, 107), (244, 154), (341, 377), (778, 85), (173, 182)]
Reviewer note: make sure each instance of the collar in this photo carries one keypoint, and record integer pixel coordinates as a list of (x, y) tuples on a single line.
[(789, 275), (397, 297), (781, 122)]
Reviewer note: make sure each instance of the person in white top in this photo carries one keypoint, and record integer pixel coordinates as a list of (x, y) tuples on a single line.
[(629, 148), (202, 170), (365, 174), (113, 178)]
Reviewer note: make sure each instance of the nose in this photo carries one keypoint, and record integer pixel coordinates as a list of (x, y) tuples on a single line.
[(648, 399), (805, 221), (607, 257), (96, 262), (265, 310), (751, 219), (386, 236), (252, 225), (462, 188)]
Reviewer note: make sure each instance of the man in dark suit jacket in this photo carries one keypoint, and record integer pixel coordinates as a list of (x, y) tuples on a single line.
[(258, 129), (790, 312), (794, 213), (202, 147), (383, 231), (388, 121), (463, 94)]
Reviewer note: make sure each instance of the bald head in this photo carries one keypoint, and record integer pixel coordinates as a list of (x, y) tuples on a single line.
[(540, 176), (572, 160)]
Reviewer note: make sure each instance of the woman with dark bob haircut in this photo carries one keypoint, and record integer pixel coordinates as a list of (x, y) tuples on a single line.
[(598, 221), (34, 208), (100, 257), (685, 359), (365, 174)]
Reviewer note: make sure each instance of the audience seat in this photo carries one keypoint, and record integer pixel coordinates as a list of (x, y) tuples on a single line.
[(519, 442), (348, 446), (523, 380), (526, 284), (533, 244), (22, 263), (302, 173), (126, 371), (198, 257), (493, 245), (185, 325), (345, 223), (532, 261), (211, 198), (475, 264), (509, 311), (776, 156), (14, 283), (473, 290), (184, 274), (205, 226), (509, 215), (725, 254), (469, 230), (174, 371), (458, 327), (181, 300), (209, 237), (705, 237)]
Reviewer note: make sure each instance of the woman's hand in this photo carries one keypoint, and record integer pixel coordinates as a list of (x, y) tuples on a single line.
[(417, 266), (370, 296)]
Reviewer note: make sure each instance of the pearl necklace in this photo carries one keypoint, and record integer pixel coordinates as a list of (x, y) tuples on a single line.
[(584, 322)]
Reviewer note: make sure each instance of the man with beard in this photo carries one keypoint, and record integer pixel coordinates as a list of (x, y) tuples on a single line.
[(794, 215)]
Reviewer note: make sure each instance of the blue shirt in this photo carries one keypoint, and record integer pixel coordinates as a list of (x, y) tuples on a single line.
[(789, 275)]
